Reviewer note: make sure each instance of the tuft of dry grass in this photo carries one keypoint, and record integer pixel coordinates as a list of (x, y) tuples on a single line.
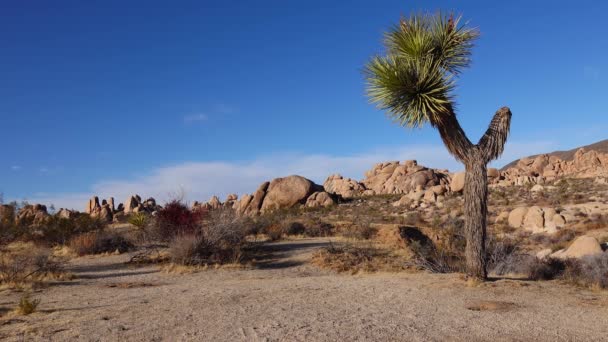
[(27, 305)]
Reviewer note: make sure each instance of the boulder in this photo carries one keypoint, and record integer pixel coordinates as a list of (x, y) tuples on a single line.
[(35, 214), (534, 219), (537, 188), (258, 198), (396, 178), (429, 197), (66, 213), (403, 201), (92, 205), (581, 247), (241, 205), (132, 203), (516, 217), (319, 199), (457, 184), (214, 203), (493, 173), (105, 213), (543, 253), (286, 192), (345, 187)]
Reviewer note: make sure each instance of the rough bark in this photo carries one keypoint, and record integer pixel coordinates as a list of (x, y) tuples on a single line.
[(475, 212), (454, 137), (475, 158)]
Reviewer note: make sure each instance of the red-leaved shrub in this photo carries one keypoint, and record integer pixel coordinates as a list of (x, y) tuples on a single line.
[(176, 218)]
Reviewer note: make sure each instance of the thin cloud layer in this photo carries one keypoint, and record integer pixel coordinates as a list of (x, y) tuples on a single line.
[(201, 180)]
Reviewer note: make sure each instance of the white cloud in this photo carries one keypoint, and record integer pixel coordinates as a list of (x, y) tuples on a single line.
[(15, 167), (201, 180), (195, 118)]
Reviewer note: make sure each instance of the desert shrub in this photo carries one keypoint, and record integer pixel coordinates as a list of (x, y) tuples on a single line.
[(414, 218), (29, 265), (317, 228), (435, 259), (58, 230), (354, 258), (99, 242), (186, 249), (503, 256), (295, 228), (27, 305), (220, 240), (546, 269), (359, 231), (590, 271), (139, 220), (175, 218)]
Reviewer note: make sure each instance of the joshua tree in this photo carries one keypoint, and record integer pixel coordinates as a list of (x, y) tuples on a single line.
[(414, 81)]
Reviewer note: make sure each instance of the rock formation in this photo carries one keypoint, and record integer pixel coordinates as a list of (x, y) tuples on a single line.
[(287, 192), (345, 187), (396, 178), (32, 214), (320, 199), (547, 167), (536, 219)]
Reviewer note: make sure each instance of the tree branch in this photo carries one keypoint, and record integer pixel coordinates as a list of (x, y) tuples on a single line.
[(453, 136), (492, 143)]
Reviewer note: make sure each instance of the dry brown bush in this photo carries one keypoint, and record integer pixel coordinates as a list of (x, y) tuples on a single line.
[(29, 264), (590, 271), (220, 240), (99, 242), (355, 258)]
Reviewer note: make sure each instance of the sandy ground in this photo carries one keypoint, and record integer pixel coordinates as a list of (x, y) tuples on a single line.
[(286, 299)]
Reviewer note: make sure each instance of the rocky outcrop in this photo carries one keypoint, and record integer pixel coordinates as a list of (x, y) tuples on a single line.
[(320, 199), (397, 178), (133, 204), (280, 193), (32, 214), (536, 219), (287, 192), (546, 167), (66, 214), (345, 187)]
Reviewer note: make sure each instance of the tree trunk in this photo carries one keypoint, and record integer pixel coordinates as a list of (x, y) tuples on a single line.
[(475, 211)]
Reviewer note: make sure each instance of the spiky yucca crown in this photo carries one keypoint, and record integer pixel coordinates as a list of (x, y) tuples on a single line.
[(415, 78)]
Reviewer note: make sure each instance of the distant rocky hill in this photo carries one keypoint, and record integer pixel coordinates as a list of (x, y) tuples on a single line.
[(600, 146)]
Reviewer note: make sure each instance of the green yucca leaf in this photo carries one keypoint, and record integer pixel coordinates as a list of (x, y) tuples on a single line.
[(414, 80)]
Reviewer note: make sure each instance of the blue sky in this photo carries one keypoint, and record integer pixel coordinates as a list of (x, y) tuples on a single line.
[(212, 97)]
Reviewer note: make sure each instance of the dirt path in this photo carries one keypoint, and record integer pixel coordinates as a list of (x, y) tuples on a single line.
[(286, 299)]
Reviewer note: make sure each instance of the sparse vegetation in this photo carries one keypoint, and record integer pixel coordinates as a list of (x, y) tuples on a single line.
[(27, 305), (97, 242), (139, 220), (27, 264), (219, 240), (359, 257)]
